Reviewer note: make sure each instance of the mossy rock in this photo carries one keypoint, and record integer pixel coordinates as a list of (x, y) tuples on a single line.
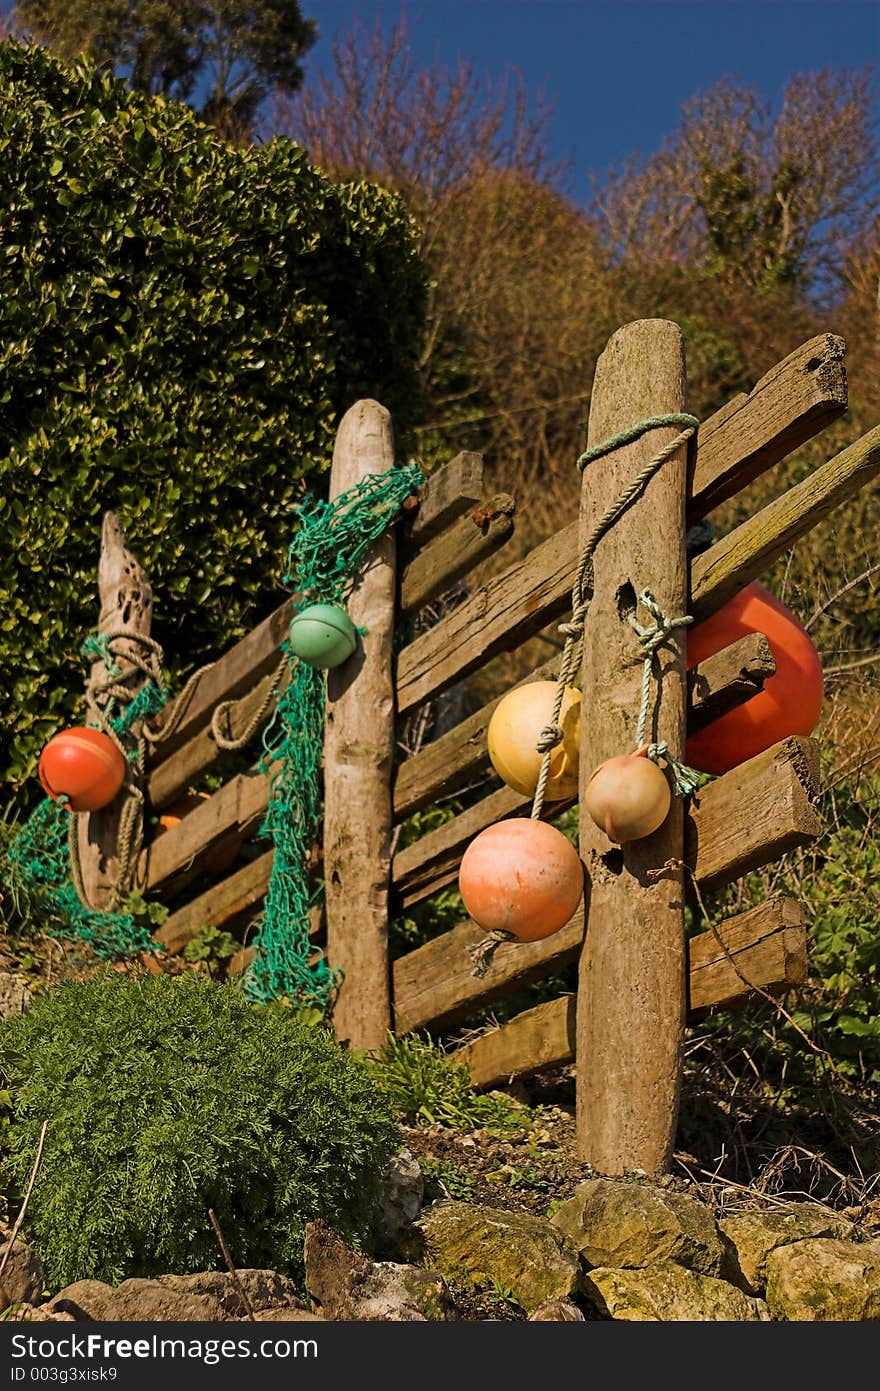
[(754, 1233), (669, 1293), (631, 1225), (824, 1281), (512, 1250)]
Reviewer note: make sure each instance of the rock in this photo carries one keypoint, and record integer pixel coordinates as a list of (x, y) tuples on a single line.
[(401, 1194), (264, 1288), (631, 1225), (668, 1292), (15, 997), (136, 1301), (287, 1314), (348, 1285), (824, 1280), (755, 1232), (30, 1313), (22, 1281), (557, 1311), (515, 1250)]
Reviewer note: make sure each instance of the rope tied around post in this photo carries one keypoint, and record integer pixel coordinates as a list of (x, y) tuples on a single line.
[(573, 630), (685, 780)]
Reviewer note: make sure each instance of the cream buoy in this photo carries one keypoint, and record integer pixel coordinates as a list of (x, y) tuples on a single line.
[(521, 877), (628, 797), (513, 735)]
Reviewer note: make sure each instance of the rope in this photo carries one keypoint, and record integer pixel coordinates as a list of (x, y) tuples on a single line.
[(573, 631), (685, 780), (229, 741)]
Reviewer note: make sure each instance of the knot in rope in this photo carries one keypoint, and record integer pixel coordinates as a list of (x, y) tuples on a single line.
[(550, 736), (653, 635), (685, 780)]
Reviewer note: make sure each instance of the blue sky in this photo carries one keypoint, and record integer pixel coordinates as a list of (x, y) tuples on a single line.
[(620, 69)]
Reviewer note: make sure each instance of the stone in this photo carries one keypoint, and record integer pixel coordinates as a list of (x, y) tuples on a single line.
[(669, 1293), (264, 1288), (15, 997), (287, 1314), (557, 1311), (631, 1225), (136, 1301), (514, 1250), (42, 1313), (400, 1198), (22, 1280), (754, 1232), (824, 1280), (348, 1285)]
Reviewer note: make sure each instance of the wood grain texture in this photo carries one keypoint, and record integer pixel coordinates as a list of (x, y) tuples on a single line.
[(766, 945), (721, 683), (174, 775), (792, 402), (435, 568), (226, 904), (230, 677), (631, 988), (501, 614), (227, 818), (358, 754), (755, 544), (446, 494), (126, 607)]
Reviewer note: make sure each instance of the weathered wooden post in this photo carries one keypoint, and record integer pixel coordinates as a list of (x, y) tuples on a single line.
[(126, 608), (631, 993), (358, 755)]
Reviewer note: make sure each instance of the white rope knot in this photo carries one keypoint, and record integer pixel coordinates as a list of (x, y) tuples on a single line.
[(653, 635), (685, 780), (550, 736), (574, 629)]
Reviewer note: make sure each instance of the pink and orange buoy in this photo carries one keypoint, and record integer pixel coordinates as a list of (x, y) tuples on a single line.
[(522, 877)]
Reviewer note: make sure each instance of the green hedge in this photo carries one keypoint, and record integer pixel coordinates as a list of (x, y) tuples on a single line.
[(182, 323)]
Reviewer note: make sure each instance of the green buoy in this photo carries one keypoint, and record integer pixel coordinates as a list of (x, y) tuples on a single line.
[(322, 635)]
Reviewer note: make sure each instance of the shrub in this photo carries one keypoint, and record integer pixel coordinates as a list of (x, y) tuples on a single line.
[(169, 1095), (182, 322)]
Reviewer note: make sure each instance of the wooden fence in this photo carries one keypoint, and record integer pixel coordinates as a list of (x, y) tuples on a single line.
[(639, 981)]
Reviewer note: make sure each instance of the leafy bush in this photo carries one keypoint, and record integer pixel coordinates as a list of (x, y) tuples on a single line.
[(169, 1095), (182, 322), (423, 1082)]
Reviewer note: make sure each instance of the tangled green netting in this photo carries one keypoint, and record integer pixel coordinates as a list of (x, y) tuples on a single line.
[(332, 541), (38, 860)]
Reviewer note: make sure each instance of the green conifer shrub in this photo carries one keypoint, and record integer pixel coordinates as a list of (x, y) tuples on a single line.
[(169, 1095)]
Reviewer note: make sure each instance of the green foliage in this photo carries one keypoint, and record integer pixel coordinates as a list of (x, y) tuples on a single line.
[(183, 322), (212, 946), (456, 1182), (238, 47), (169, 1095), (423, 1082)]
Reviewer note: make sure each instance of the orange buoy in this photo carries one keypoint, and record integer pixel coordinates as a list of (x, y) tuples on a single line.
[(791, 700), (628, 797), (523, 877), (83, 765), (513, 733)]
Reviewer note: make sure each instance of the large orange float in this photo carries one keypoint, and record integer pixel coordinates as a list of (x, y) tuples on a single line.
[(83, 765), (523, 877), (791, 700)]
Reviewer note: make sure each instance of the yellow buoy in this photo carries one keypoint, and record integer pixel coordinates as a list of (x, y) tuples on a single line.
[(513, 735)]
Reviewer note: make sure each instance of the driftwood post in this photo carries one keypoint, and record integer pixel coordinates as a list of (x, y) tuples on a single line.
[(631, 994), (358, 753), (126, 607)]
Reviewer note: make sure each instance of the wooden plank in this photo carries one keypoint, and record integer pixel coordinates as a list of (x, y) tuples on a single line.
[(224, 820), (501, 614), (358, 756), (731, 677), (174, 775), (744, 820), (225, 905), (631, 992), (792, 402), (230, 677), (457, 757), (446, 494), (752, 547), (436, 567), (766, 945), (127, 609)]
